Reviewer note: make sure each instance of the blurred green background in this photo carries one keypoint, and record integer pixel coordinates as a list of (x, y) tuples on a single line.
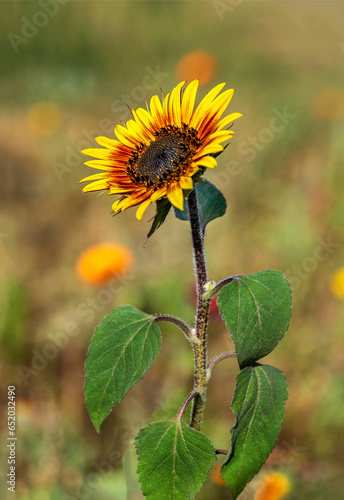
[(69, 70)]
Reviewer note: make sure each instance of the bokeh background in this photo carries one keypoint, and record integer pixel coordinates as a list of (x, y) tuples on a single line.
[(68, 72)]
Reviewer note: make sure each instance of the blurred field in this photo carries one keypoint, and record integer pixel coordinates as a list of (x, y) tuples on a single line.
[(283, 179)]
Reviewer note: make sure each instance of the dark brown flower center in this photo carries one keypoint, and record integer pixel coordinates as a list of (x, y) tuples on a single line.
[(165, 159)]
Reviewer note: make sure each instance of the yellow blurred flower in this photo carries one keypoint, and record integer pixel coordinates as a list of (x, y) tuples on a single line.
[(273, 486), (199, 64), (25, 410), (44, 118), (328, 105), (337, 283), (103, 263)]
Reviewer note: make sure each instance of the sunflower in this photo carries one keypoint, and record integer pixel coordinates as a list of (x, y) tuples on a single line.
[(160, 150)]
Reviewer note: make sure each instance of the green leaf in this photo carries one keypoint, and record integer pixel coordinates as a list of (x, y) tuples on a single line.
[(258, 404), (124, 346), (162, 207), (257, 310), (174, 460), (211, 202)]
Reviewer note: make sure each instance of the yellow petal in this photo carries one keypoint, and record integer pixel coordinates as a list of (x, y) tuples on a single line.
[(145, 122), (95, 186), (208, 162), (124, 203), (228, 119), (220, 136), (186, 183), (115, 205), (207, 150), (221, 99), (204, 105), (218, 107), (133, 199), (159, 193), (174, 114), (125, 137), (120, 190), (188, 101), (165, 108), (157, 112), (100, 164), (137, 133), (142, 208), (102, 154), (108, 143), (175, 195), (95, 177)]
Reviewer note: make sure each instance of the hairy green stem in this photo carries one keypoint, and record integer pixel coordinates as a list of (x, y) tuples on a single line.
[(200, 350)]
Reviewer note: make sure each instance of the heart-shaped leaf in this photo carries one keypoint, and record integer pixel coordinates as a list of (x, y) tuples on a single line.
[(124, 346), (257, 310), (174, 460)]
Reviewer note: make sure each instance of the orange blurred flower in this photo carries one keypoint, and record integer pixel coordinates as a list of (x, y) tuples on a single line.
[(328, 105), (273, 486), (102, 263), (44, 118), (199, 64), (215, 475), (336, 284)]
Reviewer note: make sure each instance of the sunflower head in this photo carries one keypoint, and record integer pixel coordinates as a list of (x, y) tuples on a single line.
[(160, 151)]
